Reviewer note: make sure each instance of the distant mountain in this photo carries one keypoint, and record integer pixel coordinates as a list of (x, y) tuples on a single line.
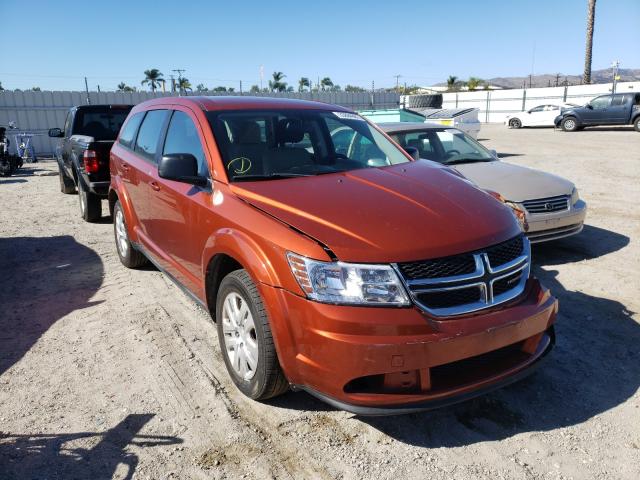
[(597, 76)]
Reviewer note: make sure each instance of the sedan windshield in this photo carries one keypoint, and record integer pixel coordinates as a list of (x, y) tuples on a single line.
[(444, 146), (269, 145)]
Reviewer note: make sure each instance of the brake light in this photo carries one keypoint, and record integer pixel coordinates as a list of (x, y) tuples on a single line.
[(90, 160)]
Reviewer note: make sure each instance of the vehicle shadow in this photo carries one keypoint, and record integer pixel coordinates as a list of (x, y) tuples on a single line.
[(592, 242), (507, 155), (5, 181), (43, 279), (78, 455)]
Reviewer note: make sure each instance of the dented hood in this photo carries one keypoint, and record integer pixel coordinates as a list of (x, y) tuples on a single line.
[(412, 211)]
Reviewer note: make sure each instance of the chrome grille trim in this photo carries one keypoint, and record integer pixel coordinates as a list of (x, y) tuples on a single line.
[(483, 278), (547, 205)]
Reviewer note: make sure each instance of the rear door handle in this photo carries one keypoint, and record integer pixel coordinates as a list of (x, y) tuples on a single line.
[(125, 167), (155, 186)]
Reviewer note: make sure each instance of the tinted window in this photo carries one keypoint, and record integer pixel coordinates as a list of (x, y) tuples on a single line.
[(99, 123), (67, 125), (182, 137), (444, 146), (129, 130), (149, 134), (618, 100), (537, 109)]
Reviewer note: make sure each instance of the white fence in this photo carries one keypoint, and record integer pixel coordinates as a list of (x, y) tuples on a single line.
[(36, 112), (495, 105)]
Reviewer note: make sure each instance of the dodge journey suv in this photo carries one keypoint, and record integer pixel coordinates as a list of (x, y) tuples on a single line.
[(375, 282)]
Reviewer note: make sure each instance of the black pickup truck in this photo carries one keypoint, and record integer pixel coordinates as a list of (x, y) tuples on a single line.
[(610, 109), (83, 155)]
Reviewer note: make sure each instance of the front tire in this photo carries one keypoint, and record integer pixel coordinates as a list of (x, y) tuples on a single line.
[(129, 256), (569, 124), (515, 123), (246, 340), (636, 124)]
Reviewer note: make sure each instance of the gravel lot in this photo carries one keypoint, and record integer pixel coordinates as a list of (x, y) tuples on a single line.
[(111, 373)]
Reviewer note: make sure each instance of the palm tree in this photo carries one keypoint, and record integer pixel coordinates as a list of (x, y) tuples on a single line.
[(473, 83), (451, 82), (326, 83), (302, 83), (183, 84), (153, 77), (591, 18), (277, 85), (123, 87)]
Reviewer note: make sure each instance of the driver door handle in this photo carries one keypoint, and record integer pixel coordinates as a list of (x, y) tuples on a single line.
[(155, 186)]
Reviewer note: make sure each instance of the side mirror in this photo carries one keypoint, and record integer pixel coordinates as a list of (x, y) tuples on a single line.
[(589, 106), (181, 167), (413, 152), (494, 153), (56, 133)]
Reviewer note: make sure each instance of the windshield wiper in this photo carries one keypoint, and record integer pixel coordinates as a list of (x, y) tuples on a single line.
[(270, 176), (468, 160)]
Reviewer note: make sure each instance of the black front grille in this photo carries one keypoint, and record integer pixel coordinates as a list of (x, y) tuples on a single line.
[(450, 298), (505, 252), (438, 268), (505, 284)]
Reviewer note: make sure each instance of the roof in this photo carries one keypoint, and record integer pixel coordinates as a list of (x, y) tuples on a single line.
[(395, 127), (242, 102)]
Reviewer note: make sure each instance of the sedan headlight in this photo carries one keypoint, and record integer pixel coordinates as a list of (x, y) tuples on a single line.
[(347, 283), (574, 196)]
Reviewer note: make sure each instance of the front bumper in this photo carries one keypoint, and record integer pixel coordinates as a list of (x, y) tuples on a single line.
[(371, 360), (544, 227)]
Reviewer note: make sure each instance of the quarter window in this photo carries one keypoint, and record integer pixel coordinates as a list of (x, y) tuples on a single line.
[(149, 134), (182, 137), (129, 130)]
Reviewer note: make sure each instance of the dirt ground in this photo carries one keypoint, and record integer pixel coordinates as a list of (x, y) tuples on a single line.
[(112, 373)]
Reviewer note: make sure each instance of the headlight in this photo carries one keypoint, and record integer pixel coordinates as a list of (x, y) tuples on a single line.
[(347, 283), (574, 196)]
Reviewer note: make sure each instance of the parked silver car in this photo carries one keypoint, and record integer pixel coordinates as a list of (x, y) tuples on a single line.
[(551, 204)]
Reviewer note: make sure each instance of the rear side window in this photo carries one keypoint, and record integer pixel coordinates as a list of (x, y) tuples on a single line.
[(149, 133), (129, 130), (182, 137)]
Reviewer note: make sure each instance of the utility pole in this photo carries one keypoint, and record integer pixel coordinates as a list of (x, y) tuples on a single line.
[(530, 80), (615, 66), (557, 79), (179, 71), (173, 84), (86, 88), (397, 83), (240, 87)]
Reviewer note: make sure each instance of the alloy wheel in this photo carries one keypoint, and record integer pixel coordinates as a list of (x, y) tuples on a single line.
[(122, 239), (240, 338)]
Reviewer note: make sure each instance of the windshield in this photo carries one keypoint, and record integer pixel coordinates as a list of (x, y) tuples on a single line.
[(100, 124), (444, 146), (258, 145)]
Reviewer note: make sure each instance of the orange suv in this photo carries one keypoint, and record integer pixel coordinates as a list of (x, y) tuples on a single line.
[(330, 260)]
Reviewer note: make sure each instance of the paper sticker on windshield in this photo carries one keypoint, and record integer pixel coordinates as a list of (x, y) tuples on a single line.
[(348, 116)]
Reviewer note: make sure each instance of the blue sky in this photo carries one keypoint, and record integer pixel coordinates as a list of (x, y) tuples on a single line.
[(220, 43)]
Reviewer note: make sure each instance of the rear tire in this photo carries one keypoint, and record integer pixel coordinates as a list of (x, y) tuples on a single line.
[(66, 184), (515, 123), (129, 256), (244, 334), (90, 204), (569, 124), (636, 124)]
